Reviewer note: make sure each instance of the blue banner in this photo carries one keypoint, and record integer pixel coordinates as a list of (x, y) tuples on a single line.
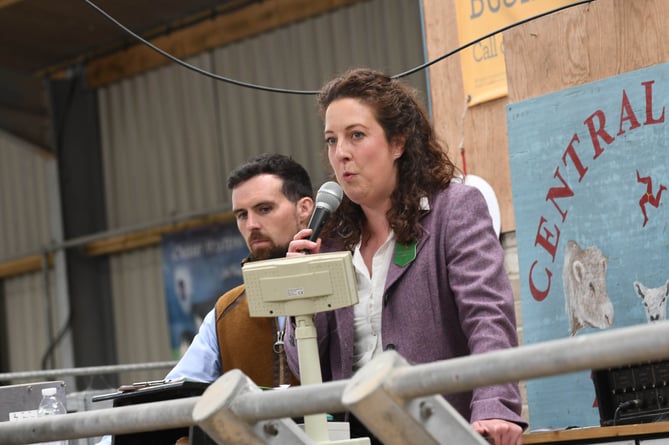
[(199, 265), (589, 180)]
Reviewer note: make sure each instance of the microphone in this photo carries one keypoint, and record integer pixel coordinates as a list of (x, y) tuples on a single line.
[(328, 199)]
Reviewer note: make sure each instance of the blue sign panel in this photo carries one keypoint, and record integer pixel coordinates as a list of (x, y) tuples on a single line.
[(198, 266), (589, 171)]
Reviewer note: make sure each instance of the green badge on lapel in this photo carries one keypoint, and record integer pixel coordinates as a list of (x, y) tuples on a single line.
[(404, 253)]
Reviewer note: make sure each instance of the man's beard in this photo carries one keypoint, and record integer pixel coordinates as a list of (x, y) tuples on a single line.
[(268, 253)]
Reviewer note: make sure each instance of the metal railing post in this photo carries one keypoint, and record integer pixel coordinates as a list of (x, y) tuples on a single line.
[(214, 415), (397, 421)]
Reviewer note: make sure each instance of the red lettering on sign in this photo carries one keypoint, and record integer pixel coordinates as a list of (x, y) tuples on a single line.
[(598, 132), (649, 104), (627, 114), (538, 294)]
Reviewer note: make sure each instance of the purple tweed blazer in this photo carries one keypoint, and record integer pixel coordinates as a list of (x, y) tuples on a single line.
[(452, 300)]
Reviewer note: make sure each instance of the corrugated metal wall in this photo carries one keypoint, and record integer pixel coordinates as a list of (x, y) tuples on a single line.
[(27, 324), (23, 197), (24, 223), (171, 136), (142, 333), (161, 150)]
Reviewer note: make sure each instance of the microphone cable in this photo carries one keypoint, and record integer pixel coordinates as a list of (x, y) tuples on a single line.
[(193, 67), (313, 92), (624, 406)]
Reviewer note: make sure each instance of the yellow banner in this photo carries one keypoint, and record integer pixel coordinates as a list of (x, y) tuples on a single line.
[(483, 68)]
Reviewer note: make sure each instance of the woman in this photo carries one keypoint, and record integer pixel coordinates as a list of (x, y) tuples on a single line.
[(429, 266)]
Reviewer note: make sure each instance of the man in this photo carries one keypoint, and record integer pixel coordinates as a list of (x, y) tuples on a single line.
[(271, 201)]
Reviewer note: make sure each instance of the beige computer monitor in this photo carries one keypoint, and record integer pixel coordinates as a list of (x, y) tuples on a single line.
[(300, 285)]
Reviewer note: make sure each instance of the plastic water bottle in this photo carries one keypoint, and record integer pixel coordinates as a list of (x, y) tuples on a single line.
[(50, 406)]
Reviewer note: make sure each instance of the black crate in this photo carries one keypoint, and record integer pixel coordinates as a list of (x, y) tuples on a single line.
[(636, 393)]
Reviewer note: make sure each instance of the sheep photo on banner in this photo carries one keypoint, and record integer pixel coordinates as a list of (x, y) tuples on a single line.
[(589, 172)]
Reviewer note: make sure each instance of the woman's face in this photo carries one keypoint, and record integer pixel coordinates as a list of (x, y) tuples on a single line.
[(360, 155)]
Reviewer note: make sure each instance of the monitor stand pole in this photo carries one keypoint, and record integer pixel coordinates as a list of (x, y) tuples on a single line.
[(315, 425)]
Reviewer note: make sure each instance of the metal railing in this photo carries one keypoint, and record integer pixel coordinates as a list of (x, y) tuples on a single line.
[(258, 410), (84, 371)]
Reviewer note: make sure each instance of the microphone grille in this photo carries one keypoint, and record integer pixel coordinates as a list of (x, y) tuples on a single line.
[(329, 196)]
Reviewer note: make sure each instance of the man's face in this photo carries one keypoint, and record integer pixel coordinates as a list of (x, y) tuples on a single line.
[(266, 218)]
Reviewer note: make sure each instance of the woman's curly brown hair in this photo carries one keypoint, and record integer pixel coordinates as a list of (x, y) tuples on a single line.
[(423, 169)]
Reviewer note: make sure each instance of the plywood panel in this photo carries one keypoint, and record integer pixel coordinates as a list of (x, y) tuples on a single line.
[(584, 44), (475, 136)]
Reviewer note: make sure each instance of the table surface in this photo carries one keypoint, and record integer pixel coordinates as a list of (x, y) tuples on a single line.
[(595, 432)]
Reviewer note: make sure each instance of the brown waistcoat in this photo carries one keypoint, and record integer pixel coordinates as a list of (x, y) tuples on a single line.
[(247, 343)]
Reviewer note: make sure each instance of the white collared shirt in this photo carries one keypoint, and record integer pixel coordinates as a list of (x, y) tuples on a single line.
[(367, 313)]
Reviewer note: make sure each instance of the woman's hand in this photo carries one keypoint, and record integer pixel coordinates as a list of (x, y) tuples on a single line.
[(499, 432), (300, 245)]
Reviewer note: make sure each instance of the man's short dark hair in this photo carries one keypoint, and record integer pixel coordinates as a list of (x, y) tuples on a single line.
[(296, 180)]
